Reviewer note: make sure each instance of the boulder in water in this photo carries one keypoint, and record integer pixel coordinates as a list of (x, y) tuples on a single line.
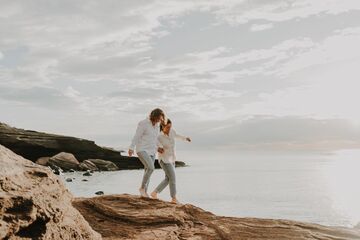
[(87, 174), (43, 161), (88, 165), (65, 161), (104, 165)]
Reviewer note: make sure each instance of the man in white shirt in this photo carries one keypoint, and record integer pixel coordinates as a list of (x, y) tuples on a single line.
[(145, 142)]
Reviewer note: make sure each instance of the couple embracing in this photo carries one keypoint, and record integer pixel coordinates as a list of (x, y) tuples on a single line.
[(156, 135)]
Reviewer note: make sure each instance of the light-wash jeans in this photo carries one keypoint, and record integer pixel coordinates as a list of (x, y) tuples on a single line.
[(169, 169), (148, 161)]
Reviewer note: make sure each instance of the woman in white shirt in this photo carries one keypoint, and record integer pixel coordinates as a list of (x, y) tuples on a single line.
[(166, 140), (145, 141)]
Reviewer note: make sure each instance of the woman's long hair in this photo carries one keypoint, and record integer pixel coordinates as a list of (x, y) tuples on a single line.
[(168, 121)]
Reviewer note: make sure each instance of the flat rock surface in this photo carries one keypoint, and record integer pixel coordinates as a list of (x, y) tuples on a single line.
[(131, 217)]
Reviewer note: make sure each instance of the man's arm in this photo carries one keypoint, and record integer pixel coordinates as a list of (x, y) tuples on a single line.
[(139, 132)]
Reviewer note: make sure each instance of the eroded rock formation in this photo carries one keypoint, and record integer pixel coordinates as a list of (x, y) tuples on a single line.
[(34, 204), (131, 217)]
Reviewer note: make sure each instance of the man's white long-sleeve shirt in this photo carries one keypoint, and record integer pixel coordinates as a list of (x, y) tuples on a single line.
[(145, 138)]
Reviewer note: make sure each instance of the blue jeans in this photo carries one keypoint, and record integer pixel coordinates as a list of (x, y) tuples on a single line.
[(169, 169), (148, 161)]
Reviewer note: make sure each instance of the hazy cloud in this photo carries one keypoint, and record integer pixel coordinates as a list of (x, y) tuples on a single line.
[(283, 133), (207, 64), (261, 27)]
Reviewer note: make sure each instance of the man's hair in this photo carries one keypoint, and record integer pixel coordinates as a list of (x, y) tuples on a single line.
[(167, 121), (156, 114)]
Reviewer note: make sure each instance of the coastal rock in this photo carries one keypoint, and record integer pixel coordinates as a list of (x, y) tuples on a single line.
[(33, 145), (103, 165), (56, 170), (43, 161), (132, 217), (88, 165), (34, 204), (180, 164), (87, 174), (66, 161)]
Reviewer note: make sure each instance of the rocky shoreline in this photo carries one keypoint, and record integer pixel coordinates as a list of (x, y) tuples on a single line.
[(34, 204), (39, 146), (131, 217)]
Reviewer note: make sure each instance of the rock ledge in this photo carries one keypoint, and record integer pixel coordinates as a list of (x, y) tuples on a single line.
[(131, 217)]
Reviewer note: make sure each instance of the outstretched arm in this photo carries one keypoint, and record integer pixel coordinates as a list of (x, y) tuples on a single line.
[(181, 137)]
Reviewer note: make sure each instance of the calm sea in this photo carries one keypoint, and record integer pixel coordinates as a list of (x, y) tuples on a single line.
[(321, 189)]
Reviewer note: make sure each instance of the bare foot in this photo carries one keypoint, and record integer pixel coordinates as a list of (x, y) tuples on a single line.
[(175, 201), (154, 195), (143, 193)]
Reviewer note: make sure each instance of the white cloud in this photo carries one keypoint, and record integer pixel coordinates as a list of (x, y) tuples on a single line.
[(337, 48), (261, 27), (329, 72), (258, 61), (101, 58), (331, 93), (278, 10), (288, 133)]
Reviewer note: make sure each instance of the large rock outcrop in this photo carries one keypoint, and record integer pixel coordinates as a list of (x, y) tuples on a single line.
[(132, 217), (33, 145), (34, 204)]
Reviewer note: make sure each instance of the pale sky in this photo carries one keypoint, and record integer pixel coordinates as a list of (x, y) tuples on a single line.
[(234, 75)]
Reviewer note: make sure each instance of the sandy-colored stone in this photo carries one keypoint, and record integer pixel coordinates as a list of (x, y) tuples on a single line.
[(43, 161), (87, 165), (65, 161), (131, 217), (104, 165), (34, 204)]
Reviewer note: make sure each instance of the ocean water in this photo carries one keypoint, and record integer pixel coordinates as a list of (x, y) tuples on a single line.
[(313, 188)]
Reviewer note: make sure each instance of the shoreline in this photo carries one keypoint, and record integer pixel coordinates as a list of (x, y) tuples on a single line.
[(128, 180)]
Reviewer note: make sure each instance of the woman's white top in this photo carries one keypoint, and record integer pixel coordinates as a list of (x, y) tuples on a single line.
[(167, 142), (145, 138)]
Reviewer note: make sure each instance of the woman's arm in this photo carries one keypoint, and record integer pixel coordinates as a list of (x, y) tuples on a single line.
[(160, 147), (181, 137)]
